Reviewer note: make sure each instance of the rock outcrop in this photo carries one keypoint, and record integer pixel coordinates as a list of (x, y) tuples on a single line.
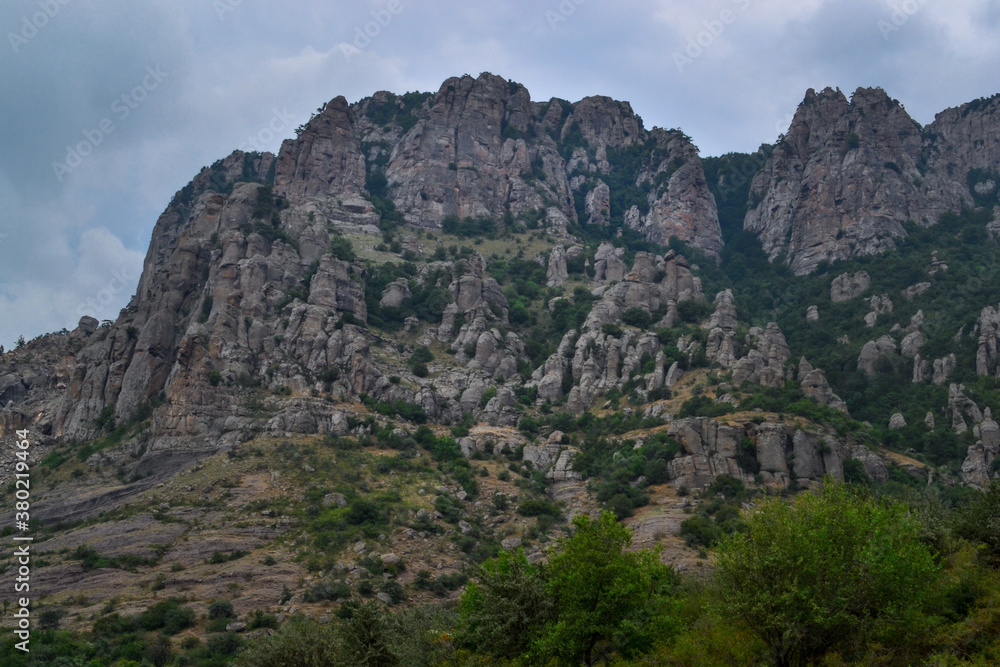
[(815, 386), (962, 406), (780, 452), (988, 354), (765, 362), (848, 173), (847, 286), (978, 469), (597, 360)]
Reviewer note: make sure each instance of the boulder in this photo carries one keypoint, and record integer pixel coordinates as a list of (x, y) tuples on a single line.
[(847, 286)]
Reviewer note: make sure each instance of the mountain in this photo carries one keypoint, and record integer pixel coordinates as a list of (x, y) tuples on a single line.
[(420, 289), (847, 174)]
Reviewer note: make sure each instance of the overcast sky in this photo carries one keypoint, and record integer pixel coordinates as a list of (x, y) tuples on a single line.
[(155, 90)]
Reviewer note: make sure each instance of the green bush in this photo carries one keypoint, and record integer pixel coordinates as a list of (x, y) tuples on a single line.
[(833, 570)]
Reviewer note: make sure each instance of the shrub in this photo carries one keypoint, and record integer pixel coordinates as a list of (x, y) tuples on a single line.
[(220, 609), (532, 507), (832, 570), (637, 317)]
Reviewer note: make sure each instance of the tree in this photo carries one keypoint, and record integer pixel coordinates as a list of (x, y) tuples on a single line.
[(979, 520), (299, 642), (832, 570), (607, 600), (505, 608), (367, 637)]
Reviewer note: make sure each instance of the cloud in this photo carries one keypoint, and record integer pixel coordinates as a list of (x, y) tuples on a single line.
[(95, 278)]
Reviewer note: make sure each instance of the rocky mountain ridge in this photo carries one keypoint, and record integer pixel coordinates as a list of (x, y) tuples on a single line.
[(263, 308), (848, 173)]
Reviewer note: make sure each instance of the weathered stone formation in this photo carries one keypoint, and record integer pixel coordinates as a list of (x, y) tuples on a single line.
[(608, 263), (679, 205), (325, 158), (597, 361), (873, 350), (816, 387), (765, 362), (962, 406), (782, 453), (977, 467), (988, 354), (879, 306), (845, 176), (721, 345), (913, 291), (847, 286), (471, 322), (481, 147), (556, 267)]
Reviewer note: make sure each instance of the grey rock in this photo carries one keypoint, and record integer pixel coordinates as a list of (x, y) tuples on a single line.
[(334, 500), (988, 353), (914, 291), (962, 406), (556, 273), (847, 286), (511, 543), (943, 369)]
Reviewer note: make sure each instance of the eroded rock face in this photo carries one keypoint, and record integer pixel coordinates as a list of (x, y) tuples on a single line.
[(783, 453), (976, 468), (816, 387), (988, 354), (847, 286), (597, 361), (962, 406), (680, 205), (765, 362), (326, 157), (873, 350), (848, 173)]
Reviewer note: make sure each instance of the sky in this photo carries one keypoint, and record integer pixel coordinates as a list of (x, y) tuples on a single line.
[(108, 107)]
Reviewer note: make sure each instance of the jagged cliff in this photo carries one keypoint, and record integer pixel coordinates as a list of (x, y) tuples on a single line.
[(848, 173)]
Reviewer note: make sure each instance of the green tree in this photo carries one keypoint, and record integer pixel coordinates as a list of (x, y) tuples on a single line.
[(832, 570), (298, 642), (368, 637), (608, 600), (505, 608), (979, 520)]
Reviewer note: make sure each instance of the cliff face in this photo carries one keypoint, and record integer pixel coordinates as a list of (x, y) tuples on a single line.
[(253, 310), (848, 173)]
